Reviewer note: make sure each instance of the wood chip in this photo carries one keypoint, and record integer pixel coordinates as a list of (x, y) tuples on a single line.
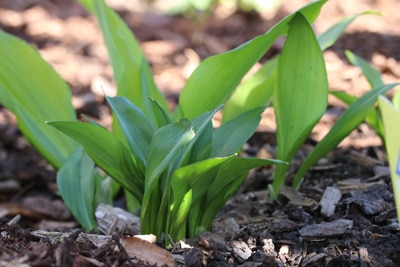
[(326, 229), (283, 225), (312, 258), (9, 186), (111, 219), (329, 200), (296, 199), (212, 241), (240, 250), (371, 200), (364, 260)]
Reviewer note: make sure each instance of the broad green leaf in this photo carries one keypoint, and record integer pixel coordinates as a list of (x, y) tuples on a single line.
[(230, 136), (254, 92), (391, 122), (201, 149), (329, 37), (258, 89), (194, 178), (230, 176), (200, 146), (200, 124), (165, 148), (346, 123), (217, 76), (135, 125), (131, 70), (108, 152), (301, 95), (372, 118), (396, 99), (92, 121), (35, 93), (373, 76), (162, 115), (77, 184)]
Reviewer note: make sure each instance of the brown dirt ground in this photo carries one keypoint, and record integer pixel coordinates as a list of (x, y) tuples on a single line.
[(364, 230)]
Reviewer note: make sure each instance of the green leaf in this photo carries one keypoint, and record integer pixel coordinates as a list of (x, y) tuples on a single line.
[(301, 95), (230, 176), (258, 89), (372, 118), (329, 37), (167, 142), (162, 116), (346, 123), (391, 122), (108, 152), (200, 125), (131, 71), (200, 146), (189, 181), (396, 99), (165, 149), (373, 76), (217, 76), (254, 92), (35, 93), (77, 182), (230, 136), (135, 125)]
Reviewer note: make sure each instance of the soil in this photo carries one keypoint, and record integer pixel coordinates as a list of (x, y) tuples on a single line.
[(297, 230)]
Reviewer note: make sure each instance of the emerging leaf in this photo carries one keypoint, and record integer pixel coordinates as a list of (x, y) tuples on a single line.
[(301, 95), (346, 123), (108, 152)]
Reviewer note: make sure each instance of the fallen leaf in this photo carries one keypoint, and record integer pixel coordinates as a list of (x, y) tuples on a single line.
[(147, 252)]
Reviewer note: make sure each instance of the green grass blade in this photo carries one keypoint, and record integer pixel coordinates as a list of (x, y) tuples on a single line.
[(135, 125), (301, 95), (77, 184), (230, 136), (329, 37), (108, 152), (346, 123), (254, 92), (373, 76), (391, 122), (131, 70), (35, 93), (217, 76)]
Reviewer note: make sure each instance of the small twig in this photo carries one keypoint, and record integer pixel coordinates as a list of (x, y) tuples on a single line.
[(14, 220)]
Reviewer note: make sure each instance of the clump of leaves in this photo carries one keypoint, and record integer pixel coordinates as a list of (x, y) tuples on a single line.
[(384, 118), (175, 168), (295, 83)]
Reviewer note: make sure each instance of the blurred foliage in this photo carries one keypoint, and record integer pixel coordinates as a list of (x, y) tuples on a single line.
[(194, 8)]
